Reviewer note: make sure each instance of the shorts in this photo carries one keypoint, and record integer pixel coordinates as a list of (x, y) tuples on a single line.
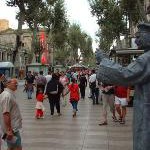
[(121, 101), (17, 143)]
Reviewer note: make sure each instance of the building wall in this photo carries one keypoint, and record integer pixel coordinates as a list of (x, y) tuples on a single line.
[(4, 24), (7, 45)]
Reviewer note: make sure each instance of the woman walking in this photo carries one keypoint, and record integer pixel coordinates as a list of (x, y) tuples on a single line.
[(73, 88)]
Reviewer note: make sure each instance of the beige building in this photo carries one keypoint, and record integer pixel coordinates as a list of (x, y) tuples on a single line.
[(4, 24), (7, 46)]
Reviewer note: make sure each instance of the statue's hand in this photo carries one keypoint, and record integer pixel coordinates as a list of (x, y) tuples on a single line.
[(99, 56)]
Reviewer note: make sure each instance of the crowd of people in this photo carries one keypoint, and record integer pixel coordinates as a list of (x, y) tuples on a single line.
[(112, 81), (54, 86)]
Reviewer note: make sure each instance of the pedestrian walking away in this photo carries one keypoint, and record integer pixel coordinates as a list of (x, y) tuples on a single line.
[(53, 91), (82, 85), (73, 88), (108, 98), (10, 116), (40, 81), (121, 102), (29, 80), (92, 85)]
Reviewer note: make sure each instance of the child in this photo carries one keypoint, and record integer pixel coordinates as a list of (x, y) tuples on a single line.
[(40, 109), (73, 88), (121, 102)]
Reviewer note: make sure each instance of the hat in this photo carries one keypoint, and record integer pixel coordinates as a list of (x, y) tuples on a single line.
[(144, 27)]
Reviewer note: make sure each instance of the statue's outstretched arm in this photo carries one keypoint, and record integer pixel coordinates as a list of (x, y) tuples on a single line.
[(135, 73)]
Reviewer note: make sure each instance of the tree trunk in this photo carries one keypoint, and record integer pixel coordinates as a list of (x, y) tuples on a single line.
[(141, 11)]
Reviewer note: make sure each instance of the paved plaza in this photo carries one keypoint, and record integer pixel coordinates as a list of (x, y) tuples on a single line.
[(67, 133)]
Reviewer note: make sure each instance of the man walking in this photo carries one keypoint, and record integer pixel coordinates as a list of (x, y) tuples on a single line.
[(93, 86), (10, 117)]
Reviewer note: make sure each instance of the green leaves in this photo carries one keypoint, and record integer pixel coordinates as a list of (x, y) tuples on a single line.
[(115, 17), (110, 19)]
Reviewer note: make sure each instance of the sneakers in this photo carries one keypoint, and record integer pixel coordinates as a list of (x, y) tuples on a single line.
[(114, 119), (59, 114), (122, 121)]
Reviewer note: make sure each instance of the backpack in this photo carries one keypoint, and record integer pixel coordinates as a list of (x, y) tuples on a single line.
[(41, 80), (93, 85)]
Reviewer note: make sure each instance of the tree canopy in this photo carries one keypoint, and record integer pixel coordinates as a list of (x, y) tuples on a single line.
[(115, 18)]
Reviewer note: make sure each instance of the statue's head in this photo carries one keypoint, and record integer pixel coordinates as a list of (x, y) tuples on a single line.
[(143, 36)]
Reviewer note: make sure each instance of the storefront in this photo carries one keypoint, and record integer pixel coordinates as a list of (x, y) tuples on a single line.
[(6, 68)]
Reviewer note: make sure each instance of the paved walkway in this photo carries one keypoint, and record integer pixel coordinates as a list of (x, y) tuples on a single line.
[(67, 133)]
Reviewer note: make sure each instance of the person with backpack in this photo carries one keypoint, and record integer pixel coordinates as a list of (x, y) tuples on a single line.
[(93, 84), (40, 81), (53, 91)]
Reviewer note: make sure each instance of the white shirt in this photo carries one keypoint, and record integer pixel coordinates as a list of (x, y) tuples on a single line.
[(92, 78), (48, 77)]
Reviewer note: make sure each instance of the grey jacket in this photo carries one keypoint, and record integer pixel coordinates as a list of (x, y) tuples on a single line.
[(137, 74)]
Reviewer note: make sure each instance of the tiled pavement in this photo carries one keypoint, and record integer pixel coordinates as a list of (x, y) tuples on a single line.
[(67, 133)]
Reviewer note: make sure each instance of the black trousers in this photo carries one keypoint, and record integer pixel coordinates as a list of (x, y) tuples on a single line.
[(54, 103), (95, 95), (82, 91)]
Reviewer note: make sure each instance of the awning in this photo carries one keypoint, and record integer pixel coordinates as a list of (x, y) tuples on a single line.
[(78, 66), (126, 51), (6, 65)]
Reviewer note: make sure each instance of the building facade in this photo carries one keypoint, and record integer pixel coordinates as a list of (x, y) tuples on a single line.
[(4, 24)]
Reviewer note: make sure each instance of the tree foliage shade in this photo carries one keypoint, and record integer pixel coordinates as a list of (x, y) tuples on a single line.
[(51, 15), (115, 18)]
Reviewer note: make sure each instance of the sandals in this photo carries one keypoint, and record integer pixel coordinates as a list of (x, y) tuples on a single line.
[(103, 123)]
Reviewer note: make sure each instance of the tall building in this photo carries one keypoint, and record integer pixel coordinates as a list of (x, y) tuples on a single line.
[(4, 24)]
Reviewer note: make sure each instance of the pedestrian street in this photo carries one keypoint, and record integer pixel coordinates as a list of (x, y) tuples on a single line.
[(68, 133)]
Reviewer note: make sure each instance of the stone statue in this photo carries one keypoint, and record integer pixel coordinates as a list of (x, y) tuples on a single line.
[(138, 74)]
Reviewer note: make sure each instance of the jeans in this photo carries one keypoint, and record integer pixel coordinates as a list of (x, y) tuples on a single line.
[(17, 143), (74, 105), (29, 93)]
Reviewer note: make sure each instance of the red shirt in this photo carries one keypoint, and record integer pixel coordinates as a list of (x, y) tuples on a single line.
[(40, 97), (121, 91), (74, 91)]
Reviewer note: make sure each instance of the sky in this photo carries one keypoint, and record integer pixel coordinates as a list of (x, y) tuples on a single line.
[(78, 11)]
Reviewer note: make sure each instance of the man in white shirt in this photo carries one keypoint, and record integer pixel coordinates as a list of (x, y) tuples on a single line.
[(48, 76), (92, 85), (92, 77)]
